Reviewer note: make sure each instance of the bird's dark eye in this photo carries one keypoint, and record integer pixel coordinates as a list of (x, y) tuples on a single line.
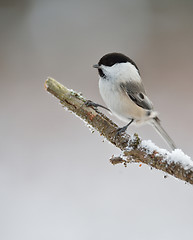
[(101, 73)]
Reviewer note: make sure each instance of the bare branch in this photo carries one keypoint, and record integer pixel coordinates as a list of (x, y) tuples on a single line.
[(133, 148)]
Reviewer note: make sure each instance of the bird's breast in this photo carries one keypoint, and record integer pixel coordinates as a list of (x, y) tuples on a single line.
[(119, 102)]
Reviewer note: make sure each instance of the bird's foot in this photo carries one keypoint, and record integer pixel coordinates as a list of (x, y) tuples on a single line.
[(123, 129), (89, 103)]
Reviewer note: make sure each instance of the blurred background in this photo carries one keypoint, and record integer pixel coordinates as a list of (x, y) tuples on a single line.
[(56, 181)]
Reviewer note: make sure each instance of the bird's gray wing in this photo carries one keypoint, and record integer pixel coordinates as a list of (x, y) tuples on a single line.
[(136, 92)]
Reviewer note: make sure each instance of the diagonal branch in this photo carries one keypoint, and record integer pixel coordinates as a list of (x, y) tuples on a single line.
[(133, 148)]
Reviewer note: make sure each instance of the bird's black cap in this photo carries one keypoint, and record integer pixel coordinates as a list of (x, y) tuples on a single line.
[(112, 58)]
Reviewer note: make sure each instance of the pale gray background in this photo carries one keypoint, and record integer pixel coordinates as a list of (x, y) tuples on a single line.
[(55, 178)]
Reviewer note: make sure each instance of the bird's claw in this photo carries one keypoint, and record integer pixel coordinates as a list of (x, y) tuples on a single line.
[(120, 130), (89, 103)]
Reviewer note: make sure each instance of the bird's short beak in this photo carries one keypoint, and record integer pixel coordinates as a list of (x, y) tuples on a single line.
[(96, 66)]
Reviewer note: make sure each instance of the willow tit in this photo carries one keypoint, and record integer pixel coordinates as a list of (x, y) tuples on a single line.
[(123, 92)]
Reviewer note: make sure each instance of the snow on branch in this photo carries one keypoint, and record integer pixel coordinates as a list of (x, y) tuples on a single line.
[(133, 148)]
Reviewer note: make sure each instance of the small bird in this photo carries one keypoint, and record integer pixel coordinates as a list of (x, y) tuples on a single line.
[(122, 90)]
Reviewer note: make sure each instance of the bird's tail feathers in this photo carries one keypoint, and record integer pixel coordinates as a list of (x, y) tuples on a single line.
[(163, 133)]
